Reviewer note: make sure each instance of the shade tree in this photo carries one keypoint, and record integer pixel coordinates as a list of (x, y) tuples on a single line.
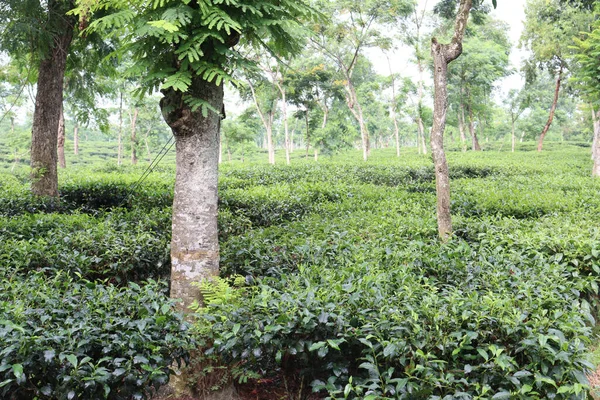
[(354, 27), (550, 26)]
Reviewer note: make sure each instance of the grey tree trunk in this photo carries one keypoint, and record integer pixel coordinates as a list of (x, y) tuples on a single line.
[(62, 162), (134, 159), (120, 133), (423, 139), (148, 153), (442, 55), (475, 141), (76, 139), (461, 128), (596, 146), (48, 103), (513, 136), (194, 243)]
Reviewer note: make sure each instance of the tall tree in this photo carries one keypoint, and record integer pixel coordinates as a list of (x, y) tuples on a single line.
[(356, 25), (588, 81), (550, 26), (43, 31), (483, 62), (443, 55), (516, 103), (312, 87), (265, 96), (187, 49)]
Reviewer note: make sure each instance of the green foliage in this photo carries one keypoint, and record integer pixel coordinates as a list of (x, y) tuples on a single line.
[(174, 42), (331, 272), (358, 297), (68, 338)]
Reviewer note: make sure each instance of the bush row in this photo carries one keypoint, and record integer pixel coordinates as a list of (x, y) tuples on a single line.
[(67, 338)]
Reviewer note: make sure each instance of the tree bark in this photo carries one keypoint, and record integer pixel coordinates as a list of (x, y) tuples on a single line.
[(596, 146), (148, 153), (120, 133), (267, 120), (62, 162), (423, 139), (194, 242), (513, 136), (307, 133), (474, 140), (48, 103), (442, 55), (461, 128), (393, 108), (356, 110), (76, 139), (134, 159), (552, 110)]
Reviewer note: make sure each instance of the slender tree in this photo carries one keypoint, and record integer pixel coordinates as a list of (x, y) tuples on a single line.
[(588, 81), (356, 25), (444, 54), (550, 26)]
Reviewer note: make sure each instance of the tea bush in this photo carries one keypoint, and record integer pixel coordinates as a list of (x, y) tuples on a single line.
[(62, 337), (347, 287)]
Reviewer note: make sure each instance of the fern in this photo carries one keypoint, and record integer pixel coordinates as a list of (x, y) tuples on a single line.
[(217, 291)]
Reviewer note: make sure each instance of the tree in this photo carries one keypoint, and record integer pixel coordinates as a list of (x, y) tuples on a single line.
[(186, 50), (412, 35), (46, 45), (588, 81), (312, 87), (265, 96), (515, 103), (550, 26), (483, 61), (356, 25), (444, 54)]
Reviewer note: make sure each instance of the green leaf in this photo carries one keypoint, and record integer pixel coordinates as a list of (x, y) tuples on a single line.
[(17, 370)]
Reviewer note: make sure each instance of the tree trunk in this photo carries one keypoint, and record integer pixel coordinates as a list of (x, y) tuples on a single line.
[(420, 104), (316, 155), (394, 116), (596, 146), (194, 243), (461, 128), (423, 139), (475, 141), (307, 133), (62, 162), (552, 110), (48, 103), (267, 120), (285, 126), (356, 110), (513, 136), (442, 55), (133, 137), (76, 139), (270, 146), (148, 154), (120, 133)]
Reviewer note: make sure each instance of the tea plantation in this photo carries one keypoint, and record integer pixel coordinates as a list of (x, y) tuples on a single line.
[(332, 277)]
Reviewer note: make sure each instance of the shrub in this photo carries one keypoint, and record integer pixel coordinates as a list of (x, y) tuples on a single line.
[(463, 328), (68, 338)]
